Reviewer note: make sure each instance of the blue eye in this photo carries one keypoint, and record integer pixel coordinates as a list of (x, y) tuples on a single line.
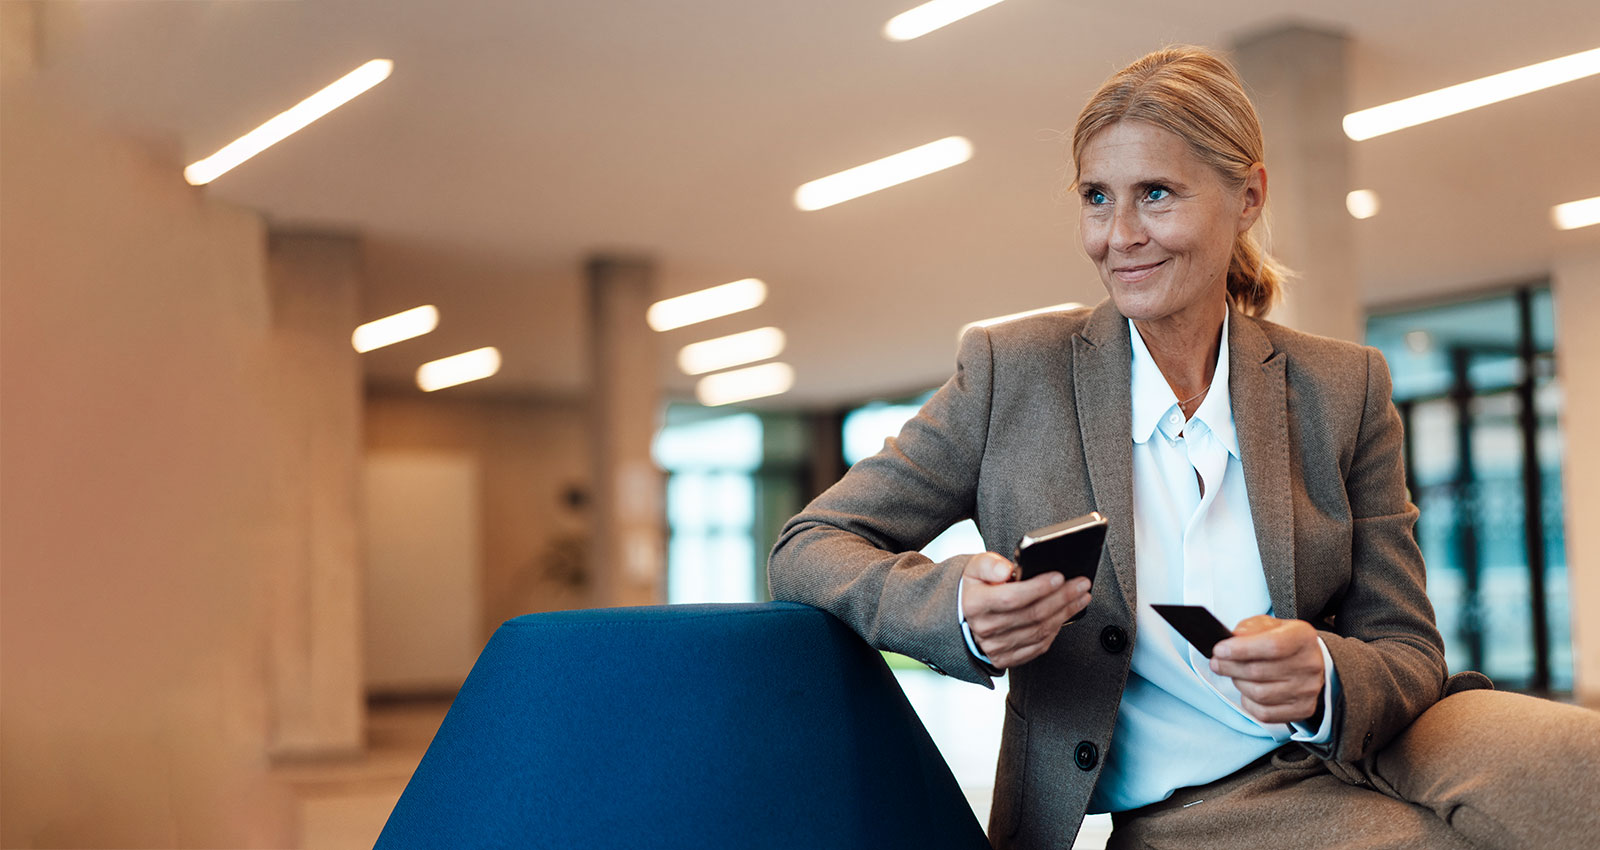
[(1158, 193), (1095, 197)]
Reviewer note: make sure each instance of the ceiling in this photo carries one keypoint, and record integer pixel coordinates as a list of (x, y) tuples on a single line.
[(516, 139)]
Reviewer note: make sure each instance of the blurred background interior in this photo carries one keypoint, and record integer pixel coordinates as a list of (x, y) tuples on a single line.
[(245, 566)]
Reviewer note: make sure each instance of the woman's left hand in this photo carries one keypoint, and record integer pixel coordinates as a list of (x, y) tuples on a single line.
[(1277, 666)]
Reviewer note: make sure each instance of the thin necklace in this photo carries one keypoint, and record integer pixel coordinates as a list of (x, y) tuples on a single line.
[(1193, 397)]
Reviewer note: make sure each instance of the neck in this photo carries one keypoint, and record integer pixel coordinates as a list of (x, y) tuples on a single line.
[(1185, 349)]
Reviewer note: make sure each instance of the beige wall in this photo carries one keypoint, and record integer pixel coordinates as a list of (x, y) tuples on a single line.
[(422, 523), (1575, 287), (140, 522), (179, 440), (529, 454)]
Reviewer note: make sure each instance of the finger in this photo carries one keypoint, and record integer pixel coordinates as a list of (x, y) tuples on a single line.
[(1285, 639), (1060, 604), (1277, 670), (1023, 637), (1018, 595), (1279, 693), (989, 567), (1026, 652), (1015, 635), (1277, 713), (1258, 623), (1076, 606), (1055, 607)]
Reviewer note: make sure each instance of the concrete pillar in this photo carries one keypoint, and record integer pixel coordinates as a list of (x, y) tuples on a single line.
[(1296, 77), (1575, 289), (627, 563), (318, 703)]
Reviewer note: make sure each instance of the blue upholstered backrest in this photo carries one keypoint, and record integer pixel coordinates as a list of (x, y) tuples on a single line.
[(681, 726)]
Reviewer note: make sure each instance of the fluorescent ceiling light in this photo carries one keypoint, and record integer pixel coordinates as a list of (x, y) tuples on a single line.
[(1362, 203), (472, 365), (1575, 214), (340, 92), (983, 323), (744, 384), (706, 304), (931, 16), (392, 329), (733, 350), (883, 173), (1469, 95)]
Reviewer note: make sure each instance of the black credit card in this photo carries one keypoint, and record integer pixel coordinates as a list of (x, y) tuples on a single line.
[(1197, 625), (1071, 548)]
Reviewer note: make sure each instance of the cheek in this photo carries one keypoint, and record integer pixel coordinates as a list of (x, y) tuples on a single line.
[(1092, 235), (1192, 239)]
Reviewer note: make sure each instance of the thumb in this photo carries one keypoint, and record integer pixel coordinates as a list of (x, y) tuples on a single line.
[(988, 567), (1258, 623)]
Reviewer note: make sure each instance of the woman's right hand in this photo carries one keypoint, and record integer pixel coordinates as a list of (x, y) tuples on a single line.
[(1014, 622)]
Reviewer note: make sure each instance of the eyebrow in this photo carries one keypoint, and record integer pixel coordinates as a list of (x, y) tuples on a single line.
[(1164, 182)]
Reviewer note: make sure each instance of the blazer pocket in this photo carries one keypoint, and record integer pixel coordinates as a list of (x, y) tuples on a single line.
[(1010, 783)]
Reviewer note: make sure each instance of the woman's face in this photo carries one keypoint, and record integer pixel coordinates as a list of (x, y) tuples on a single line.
[(1159, 224)]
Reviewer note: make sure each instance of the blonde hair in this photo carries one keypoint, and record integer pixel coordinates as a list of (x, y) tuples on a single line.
[(1195, 94)]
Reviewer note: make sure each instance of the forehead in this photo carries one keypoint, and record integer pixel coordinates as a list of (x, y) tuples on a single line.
[(1134, 150)]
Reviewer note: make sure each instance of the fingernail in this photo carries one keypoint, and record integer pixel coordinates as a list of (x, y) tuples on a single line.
[(1056, 579)]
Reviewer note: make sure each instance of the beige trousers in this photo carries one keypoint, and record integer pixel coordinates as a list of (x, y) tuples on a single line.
[(1480, 769)]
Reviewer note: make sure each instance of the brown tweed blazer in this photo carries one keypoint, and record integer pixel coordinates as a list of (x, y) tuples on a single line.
[(1033, 428)]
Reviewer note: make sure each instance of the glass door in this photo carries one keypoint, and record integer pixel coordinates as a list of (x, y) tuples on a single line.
[(1475, 385)]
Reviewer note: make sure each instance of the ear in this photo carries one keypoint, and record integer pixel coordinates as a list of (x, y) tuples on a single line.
[(1255, 196)]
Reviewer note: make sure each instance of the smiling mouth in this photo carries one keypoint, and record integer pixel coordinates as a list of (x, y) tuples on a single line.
[(1134, 274)]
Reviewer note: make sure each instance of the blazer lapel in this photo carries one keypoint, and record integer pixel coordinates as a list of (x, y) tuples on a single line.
[(1101, 364), (1258, 386)]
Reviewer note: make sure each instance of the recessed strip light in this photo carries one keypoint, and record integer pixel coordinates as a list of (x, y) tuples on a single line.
[(931, 16), (472, 365), (1575, 214), (883, 173), (1362, 203), (733, 350), (983, 323), (340, 92), (706, 304), (744, 384), (392, 329), (1470, 95)]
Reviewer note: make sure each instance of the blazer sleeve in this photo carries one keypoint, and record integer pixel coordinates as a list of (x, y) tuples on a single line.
[(853, 550), (1385, 646)]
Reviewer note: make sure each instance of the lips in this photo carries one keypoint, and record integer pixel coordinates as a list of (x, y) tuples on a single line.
[(1134, 274)]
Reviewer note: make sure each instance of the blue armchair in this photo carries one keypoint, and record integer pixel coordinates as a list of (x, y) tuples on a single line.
[(766, 725)]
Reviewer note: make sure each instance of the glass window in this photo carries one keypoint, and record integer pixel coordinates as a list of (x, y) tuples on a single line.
[(711, 506), (865, 429)]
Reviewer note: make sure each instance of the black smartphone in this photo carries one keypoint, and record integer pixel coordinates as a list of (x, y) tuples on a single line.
[(1197, 625), (1071, 548)]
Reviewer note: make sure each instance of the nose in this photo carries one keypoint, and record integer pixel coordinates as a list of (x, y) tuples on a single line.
[(1127, 231)]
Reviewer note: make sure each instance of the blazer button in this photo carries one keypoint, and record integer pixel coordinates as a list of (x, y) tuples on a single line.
[(1113, 639), (1087, 756)]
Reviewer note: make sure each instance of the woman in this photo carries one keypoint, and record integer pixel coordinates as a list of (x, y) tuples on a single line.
[(1244, 467)]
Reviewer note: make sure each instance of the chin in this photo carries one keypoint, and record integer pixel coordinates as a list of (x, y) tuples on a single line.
[(1135, 307)]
